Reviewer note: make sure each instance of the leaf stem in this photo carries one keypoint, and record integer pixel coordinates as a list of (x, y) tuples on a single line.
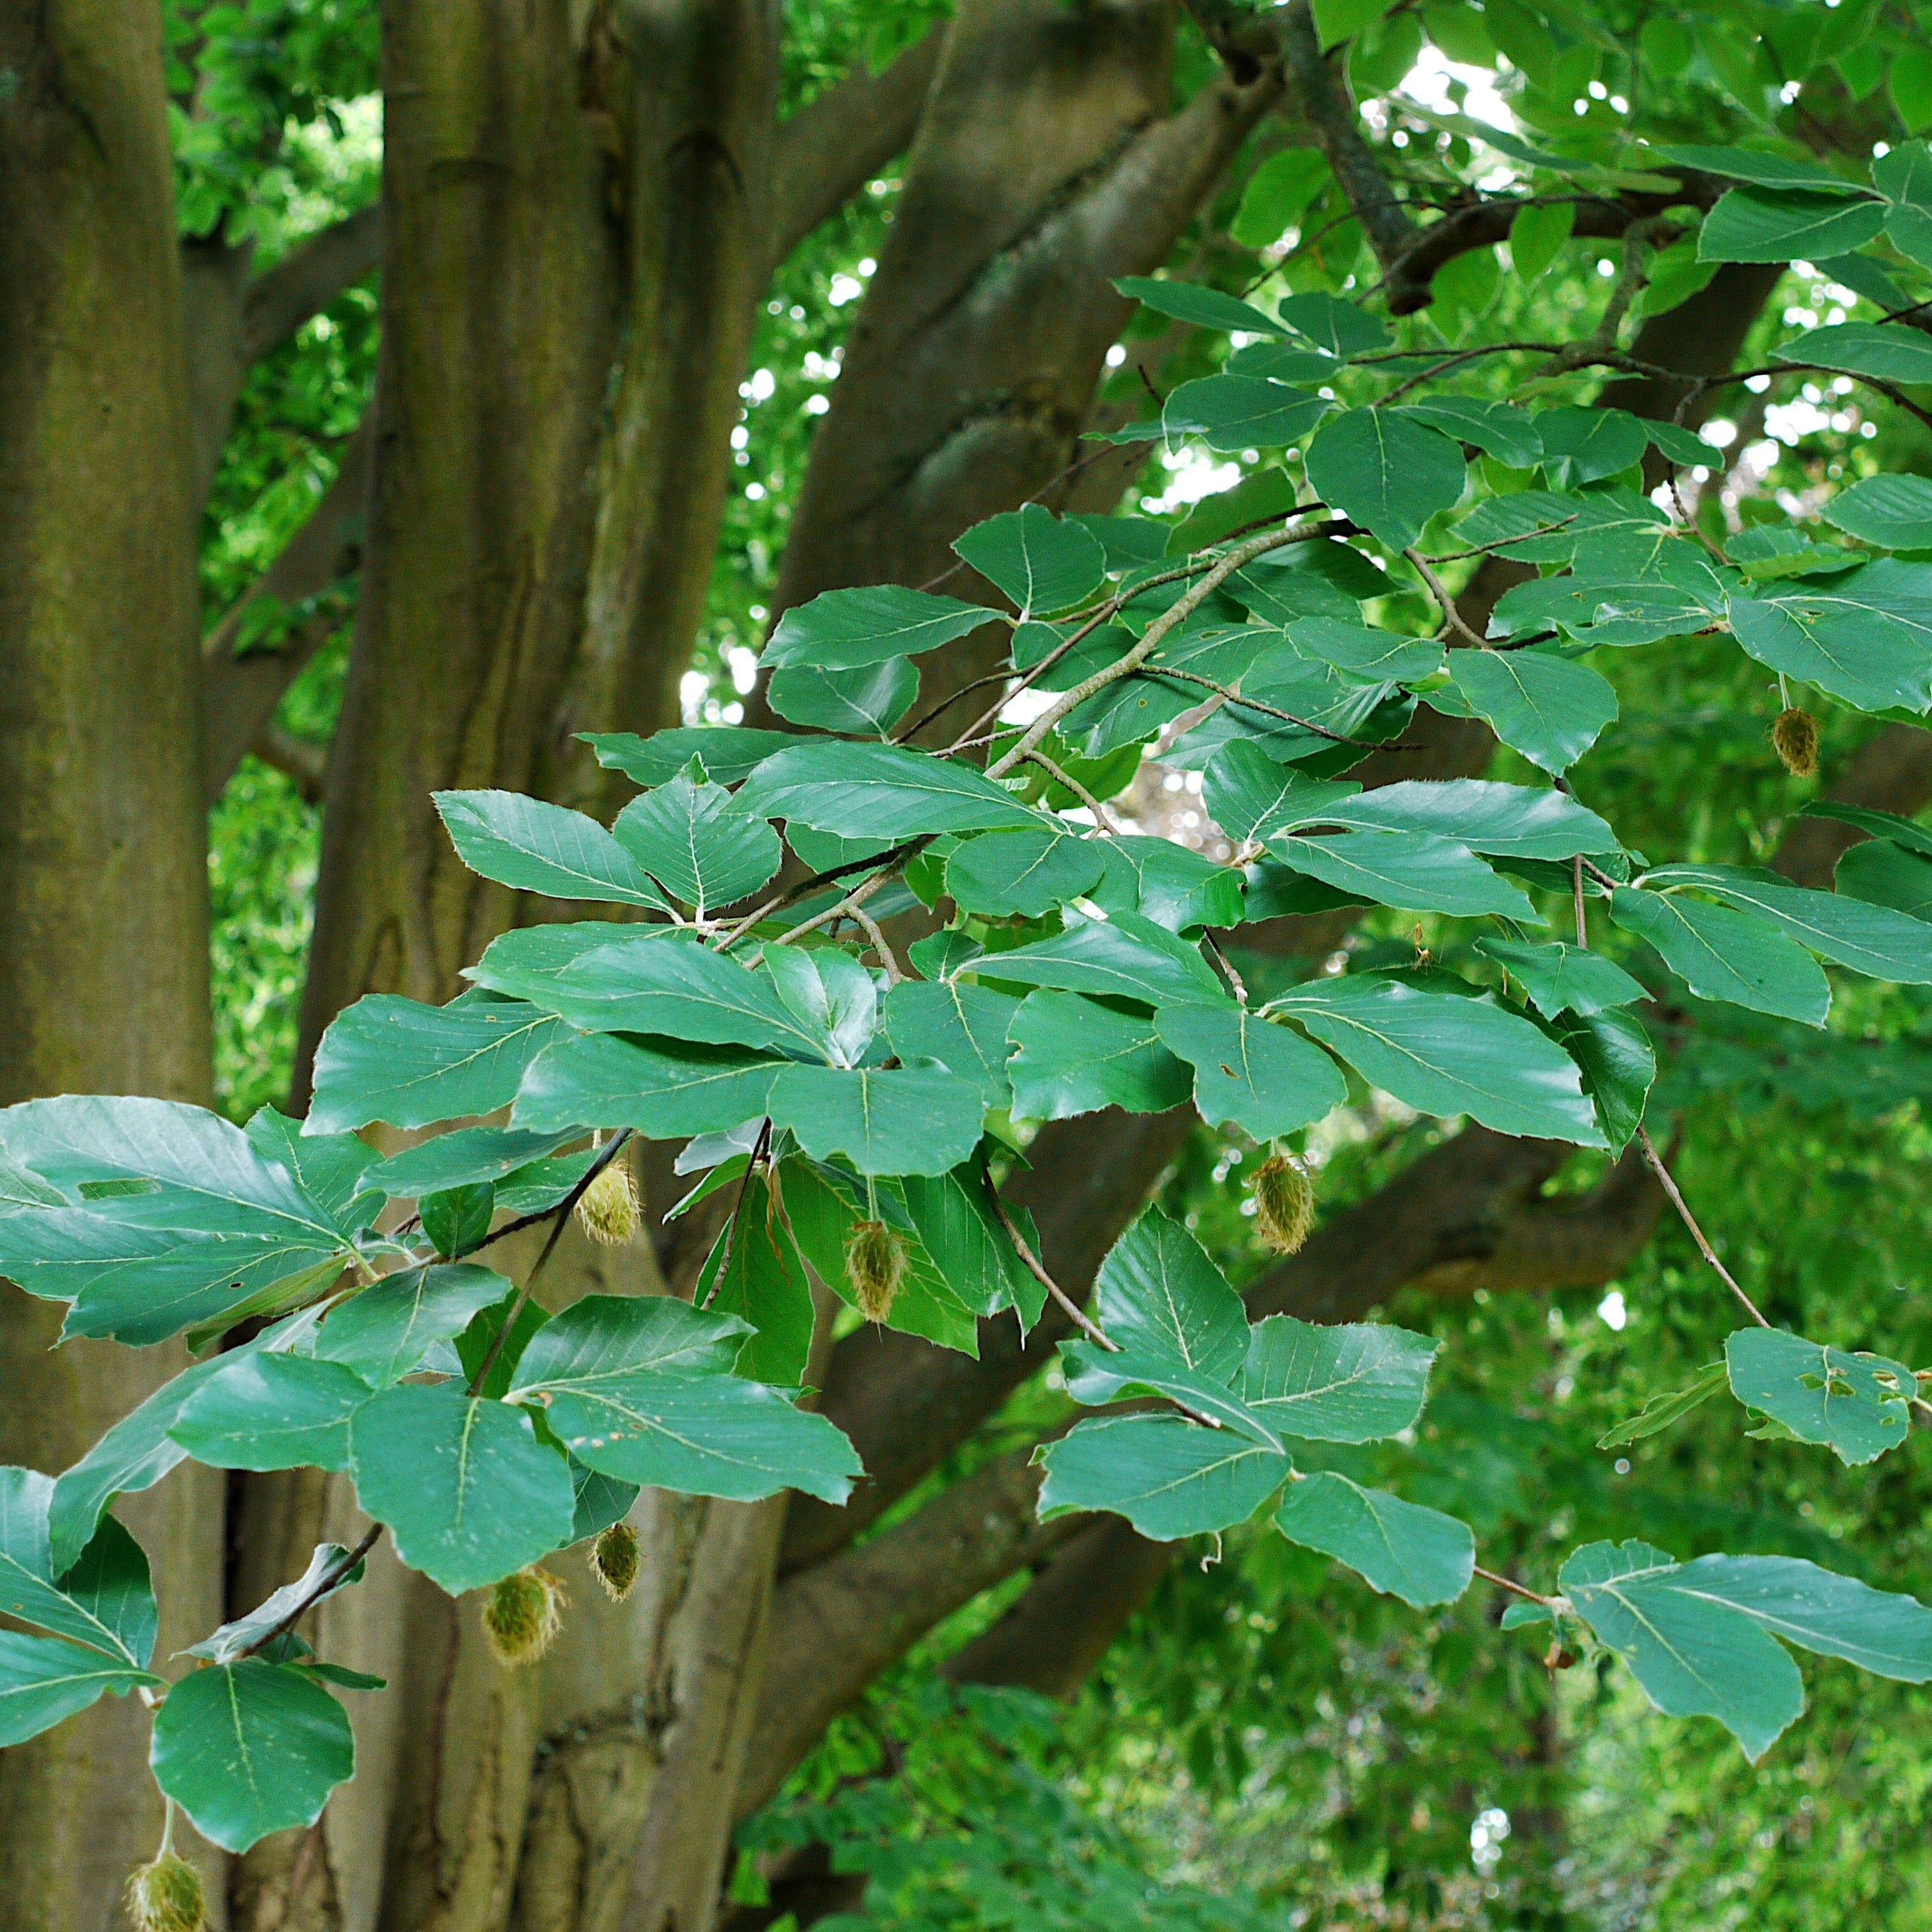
[(1068, 1306), (1517, 1589), (1690, 1220)]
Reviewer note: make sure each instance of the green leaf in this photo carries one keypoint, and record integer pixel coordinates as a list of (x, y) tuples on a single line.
[(1598, 513), (906, 1120), (1190, 302), (1400, 1548), (1361, 1381), (44, 1680), (601, 1500), (1583, 446), (99, 1598), (458, 1218), (268, 1411), (1500, 430), (1388, 472), (468, 1492), (1855, 1404), (1029, 872), (1338, 20), (665, 1089), (1661, 1410), (1855, 651), (1442, 1054), (1343, 328), (755, 1272), (1041, 562), (536, 848), (1724, 955), (693, 840), (866, 702), (1560, 977), (840, 630), (248, 1748), (1892, 354), (1178, 890), (1276, 194), (1076, 1056), (1893, 512), (730, 752), (1868, 939), (954, 1217), (334, 1170), (1251, 796), (1169, 1477), (1905, 832), (467, 1157), (830, 994), (1619, 1068), (1760, 169), (1235, 412), (961, 1026), (1411, 869), (1548, 709), (641, 1389), (1881, 872), (1537, 234), (1700, 1637), (1264, 1078), (1751, 224), (227, 1644), (1159, 1295), (411, 1065), (1124, 955), (657, 982), (1371, 656), (382, 1332), (879, 791)]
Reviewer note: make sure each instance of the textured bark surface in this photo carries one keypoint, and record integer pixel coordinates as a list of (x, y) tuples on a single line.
[(104, 935)]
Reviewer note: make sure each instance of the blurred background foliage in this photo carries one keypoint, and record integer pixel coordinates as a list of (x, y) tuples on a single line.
[(1273, 1745)]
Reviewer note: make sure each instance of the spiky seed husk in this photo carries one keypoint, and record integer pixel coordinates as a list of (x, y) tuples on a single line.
[(523, 1615), (608, 1211), (614, 1557), (1794, 738), (875, 1264), (167, 1896), (1284, 1203)]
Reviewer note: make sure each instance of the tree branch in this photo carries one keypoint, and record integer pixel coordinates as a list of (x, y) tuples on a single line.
[(828, 151), (308, 278), (239, 693)]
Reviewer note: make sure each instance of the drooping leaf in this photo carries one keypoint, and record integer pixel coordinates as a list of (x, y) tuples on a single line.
[(1264, 1078), (99, 1597), (1561, 977), (961, 1026), (1191, 302), (1028, 872), (467, 1491), (1856, 1403), (1619, 1067), (1894, 512), (754, 1271), (1388, 471), (1401, 1549), (878, 791), (1158, 1294), (665, 1089), (382, 1332), (692, 838), (1359, 1381), (866, 702), (830, 995), (457, 1219), (226, 1645), (1700, 1637), (839, 630), (1500, 430), (248, 1748), (954, 1217), (1584, 445), (1169, 1477), (641, 1389), (1411, 869), (1443, 1054), (1124, 955), (536, 848), (1042, 562), (1865, 655), (1075, 1056), (1235, 412), (1751, 224), (1888, 875), (1662, 1410), (1722, 954), (1343, 328), (272, 1411), (411, 1065), (1550, 709), (905, 1120)]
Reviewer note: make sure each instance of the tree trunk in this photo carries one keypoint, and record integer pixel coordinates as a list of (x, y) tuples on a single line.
[(103, 928)]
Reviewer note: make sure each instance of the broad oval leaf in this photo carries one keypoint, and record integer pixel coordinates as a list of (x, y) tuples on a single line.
[(1858, 1405), (1550, 709), (1388, 472), (663, 1088), (1235, 412), (839, 630), (1722, 954), (536, 848), (1076, 1055), (1400, 1548), (1894, 512), (1043, 563), (904, 1119), (1168, 1476), (1264, 1078), (1359, 1381), (693, 840), (879, 791)]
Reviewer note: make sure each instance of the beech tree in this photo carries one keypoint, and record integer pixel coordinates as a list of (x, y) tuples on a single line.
[(702, 1132)]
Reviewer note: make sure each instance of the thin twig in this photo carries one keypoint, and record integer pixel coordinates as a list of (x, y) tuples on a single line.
[(1501, 543), (1577, 887), (1520, 1589), (893, 974), (1229, 696), (1102, 821), (1677, 1201), (322, 1589), (1452, 618), (1069, 1307)]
